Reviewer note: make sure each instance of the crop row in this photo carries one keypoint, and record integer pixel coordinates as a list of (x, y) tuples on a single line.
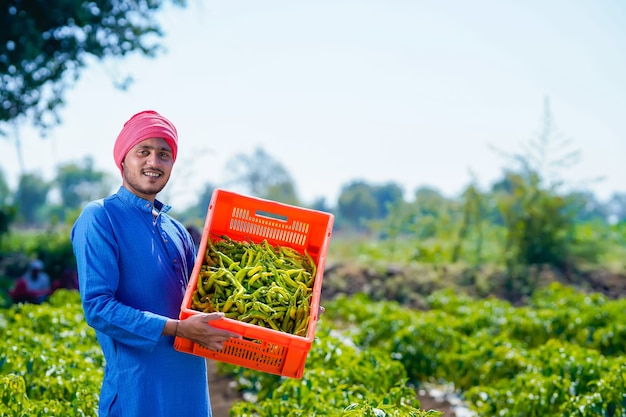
[(50, 362), (562, 354), (51, 365)]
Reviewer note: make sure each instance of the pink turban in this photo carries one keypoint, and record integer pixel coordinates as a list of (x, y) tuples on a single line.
[(144, 125)]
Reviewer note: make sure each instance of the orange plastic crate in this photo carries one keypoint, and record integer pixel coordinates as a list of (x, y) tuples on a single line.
[(244, 218)]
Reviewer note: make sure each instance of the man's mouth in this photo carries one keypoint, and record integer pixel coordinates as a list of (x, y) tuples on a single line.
[(152, 174)]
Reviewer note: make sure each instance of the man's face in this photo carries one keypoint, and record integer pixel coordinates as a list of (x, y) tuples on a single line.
[(147, 167)]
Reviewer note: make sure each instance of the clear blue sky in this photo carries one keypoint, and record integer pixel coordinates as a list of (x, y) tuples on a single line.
[(414, 92)]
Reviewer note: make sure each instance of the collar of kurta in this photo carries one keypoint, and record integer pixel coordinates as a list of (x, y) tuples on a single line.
[(141, 203)]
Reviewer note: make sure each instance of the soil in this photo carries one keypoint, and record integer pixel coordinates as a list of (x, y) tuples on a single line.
[(221, 390), (429, 403)]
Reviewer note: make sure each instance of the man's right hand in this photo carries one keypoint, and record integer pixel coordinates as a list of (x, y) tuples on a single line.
[(198, 329)]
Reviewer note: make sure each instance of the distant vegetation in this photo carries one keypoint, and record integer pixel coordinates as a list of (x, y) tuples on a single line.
[(524, 221)]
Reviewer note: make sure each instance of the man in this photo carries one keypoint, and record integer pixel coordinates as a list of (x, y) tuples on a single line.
[(134, 262), (32, 287)]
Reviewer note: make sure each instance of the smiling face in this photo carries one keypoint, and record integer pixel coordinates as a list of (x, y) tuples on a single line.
[(147, 167)]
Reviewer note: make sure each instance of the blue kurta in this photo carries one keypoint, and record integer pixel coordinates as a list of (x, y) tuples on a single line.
[(133, 271)]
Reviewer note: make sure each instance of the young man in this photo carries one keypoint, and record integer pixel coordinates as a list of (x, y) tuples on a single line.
[(134, 262)]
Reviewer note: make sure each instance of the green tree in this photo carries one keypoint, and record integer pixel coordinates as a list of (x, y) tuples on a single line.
[(321, 204), (586, 207), (616, 208), (360, 203), (262, 176), (196, 213), (548, 153), (473, 215), (284, 192), (387, 196), (80, 183), (30, 197), (432, 213), (7, 209), (538, 218), (539, 226), (5, 191), (429, 200), (356, 205), (44, 46)]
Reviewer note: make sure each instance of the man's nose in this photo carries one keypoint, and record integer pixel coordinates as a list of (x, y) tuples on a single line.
[(154, 159)]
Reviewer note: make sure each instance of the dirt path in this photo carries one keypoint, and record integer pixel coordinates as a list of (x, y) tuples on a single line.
[(222, 392), (429, 403)]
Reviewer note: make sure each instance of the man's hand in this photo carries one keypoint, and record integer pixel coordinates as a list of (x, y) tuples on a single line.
[(198, 329)]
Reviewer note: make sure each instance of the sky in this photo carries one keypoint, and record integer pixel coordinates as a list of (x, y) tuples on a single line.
[(415, 92)]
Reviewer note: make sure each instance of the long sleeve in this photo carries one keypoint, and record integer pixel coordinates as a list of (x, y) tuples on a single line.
[(97, 255), (133, 269)]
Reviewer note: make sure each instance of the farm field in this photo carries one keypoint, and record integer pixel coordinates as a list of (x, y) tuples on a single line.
[(561, 354)]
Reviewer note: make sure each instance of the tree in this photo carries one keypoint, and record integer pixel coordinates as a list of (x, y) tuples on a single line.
[(284, 192), (473, 215), (7, 210), (538, 219), (356, 205), (30, 197), (7, 215), (262, 176), (431, 214), (539, 226), (430, 201), (586, 207), (387, 196), (5, 192), (320, 203), (79, 183), (196, 213), (617, 208), (44, 45), (359, 202), (548, 154)]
